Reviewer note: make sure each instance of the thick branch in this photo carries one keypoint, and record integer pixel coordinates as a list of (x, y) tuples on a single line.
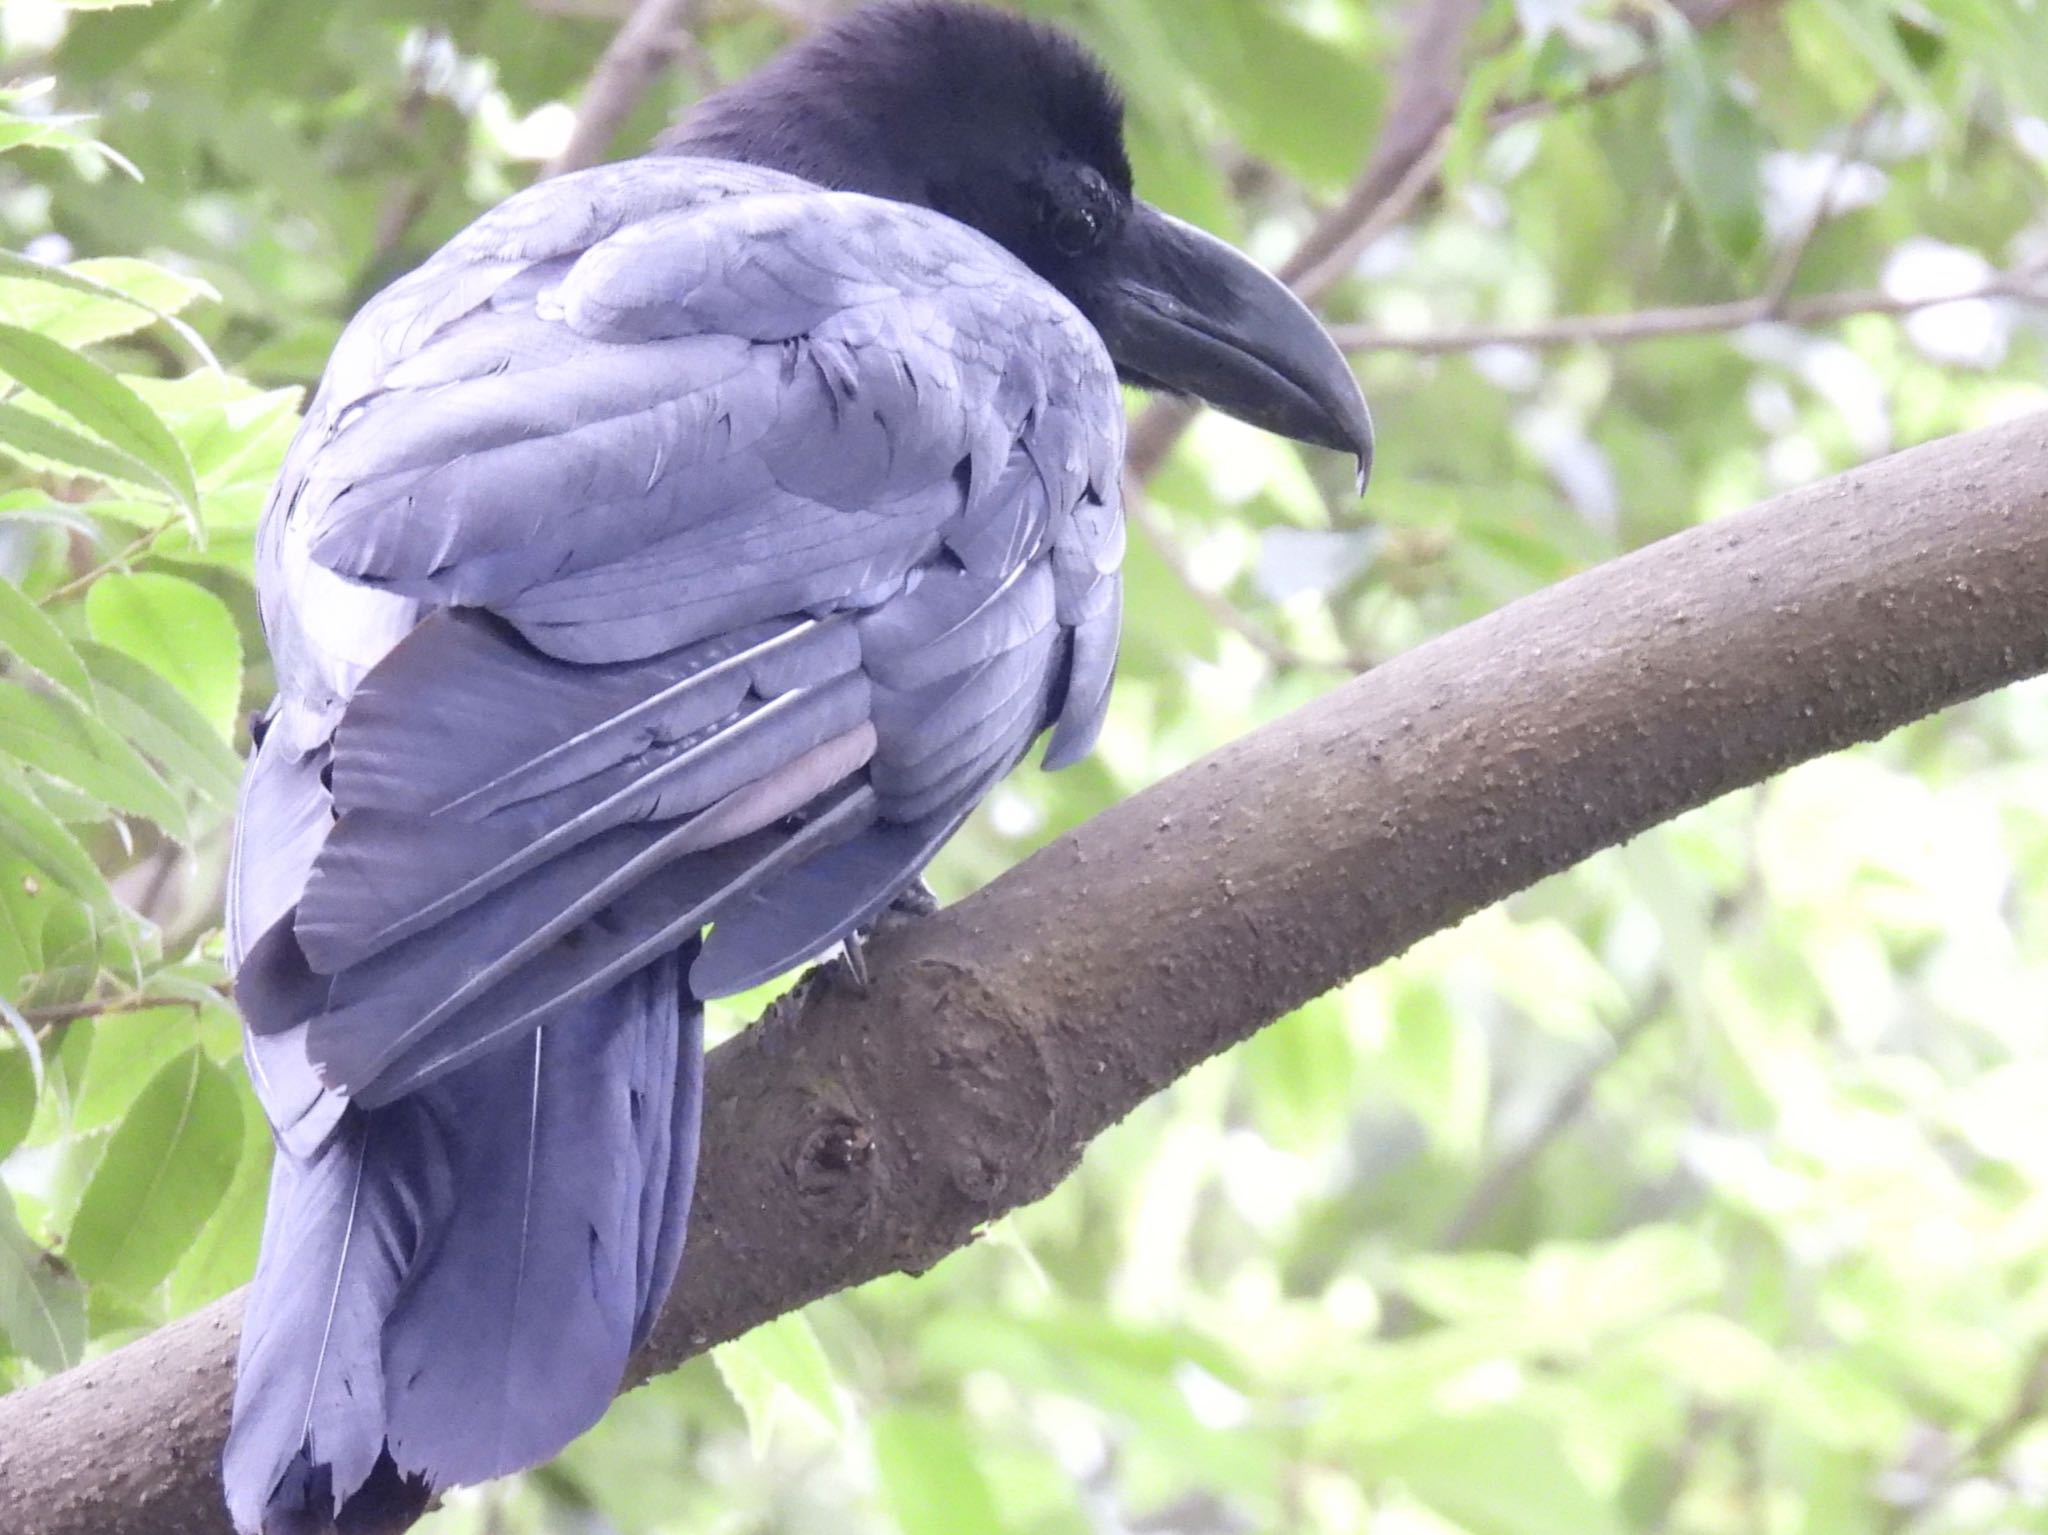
[(847, 1137)]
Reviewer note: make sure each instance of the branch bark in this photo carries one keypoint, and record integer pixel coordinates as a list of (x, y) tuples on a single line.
[(848, 1137)]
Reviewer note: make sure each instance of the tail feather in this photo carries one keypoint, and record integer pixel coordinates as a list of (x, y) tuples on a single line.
[(341, 1233), (669, 1151), (451, 1285)]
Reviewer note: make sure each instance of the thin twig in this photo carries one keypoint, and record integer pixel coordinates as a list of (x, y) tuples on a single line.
[(409, 197), (115, 561), (1427, 85), (1507, 1172), (648, 40), (1403, 167), (1393, 211), (1987, 1448), (1700, 18), (1700, 1423), (1501, 1179), (1686, 320), (59, 1014)]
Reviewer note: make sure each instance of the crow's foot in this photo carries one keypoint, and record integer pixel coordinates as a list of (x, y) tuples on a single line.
[(914, 901)]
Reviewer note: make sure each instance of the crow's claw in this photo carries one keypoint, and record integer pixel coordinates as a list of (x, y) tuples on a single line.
[(853, 951)]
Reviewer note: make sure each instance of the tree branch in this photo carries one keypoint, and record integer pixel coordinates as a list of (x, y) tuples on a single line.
[(1687, 320), (847, 1136), (644, 44), (1402, 165)]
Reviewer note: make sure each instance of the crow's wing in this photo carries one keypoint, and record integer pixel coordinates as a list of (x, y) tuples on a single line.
[(669, 553)]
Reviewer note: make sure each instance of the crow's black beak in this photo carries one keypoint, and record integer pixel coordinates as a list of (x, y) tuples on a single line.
[(1186, 313)]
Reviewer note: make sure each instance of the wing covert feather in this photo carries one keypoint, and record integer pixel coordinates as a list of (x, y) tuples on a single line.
[(716, 499)]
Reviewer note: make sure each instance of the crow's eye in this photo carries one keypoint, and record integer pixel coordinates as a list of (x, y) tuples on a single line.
[(1076, 230)]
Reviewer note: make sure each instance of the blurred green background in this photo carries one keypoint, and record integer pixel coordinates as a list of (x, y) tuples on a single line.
[(1702, 1189)]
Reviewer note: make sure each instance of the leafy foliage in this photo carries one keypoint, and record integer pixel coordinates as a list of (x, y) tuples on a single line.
[(1698, 1190)]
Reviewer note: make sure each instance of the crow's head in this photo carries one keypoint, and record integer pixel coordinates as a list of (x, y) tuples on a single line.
[(1013, 128)]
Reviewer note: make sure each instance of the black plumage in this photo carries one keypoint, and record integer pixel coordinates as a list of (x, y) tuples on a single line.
[(662, 572)]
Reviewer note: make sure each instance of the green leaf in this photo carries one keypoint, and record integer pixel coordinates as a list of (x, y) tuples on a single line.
[(162, 1177), (46, 842), (1301, 1073), (225, 1253), (1868, 25), (98, 299), (777, 1366), (1527, 1485), (178, 628), (27, 633), (24, 896), (17, 1098), (932, 1480), (55, 735), (98, 401), (56, 133), (1436, 1059), (42, 1304), (42, 443), (129, 1049), (164, 724), (1716, 147), (235, 434)]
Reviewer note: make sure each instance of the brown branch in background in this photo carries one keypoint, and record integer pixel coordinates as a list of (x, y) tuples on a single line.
[(1699, 16), (1926, 1490), (1402, 167), (1506, 1174), (1508, 1171), (650, 38), (1701, 1422), (410, 197), (58, 1014), (2026, 287), (850, 1135), (135, 549), (1427, 86)]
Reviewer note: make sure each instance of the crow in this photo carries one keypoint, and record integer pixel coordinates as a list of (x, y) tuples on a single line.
[(662, 572)]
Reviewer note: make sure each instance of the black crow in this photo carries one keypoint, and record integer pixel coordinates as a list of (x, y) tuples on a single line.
[(662, 573)]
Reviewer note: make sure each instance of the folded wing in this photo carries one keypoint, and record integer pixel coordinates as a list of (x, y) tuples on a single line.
[(745, 533)]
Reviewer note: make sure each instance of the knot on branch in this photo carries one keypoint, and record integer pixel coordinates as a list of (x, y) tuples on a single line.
[(833, 1156), (962, 1113)]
